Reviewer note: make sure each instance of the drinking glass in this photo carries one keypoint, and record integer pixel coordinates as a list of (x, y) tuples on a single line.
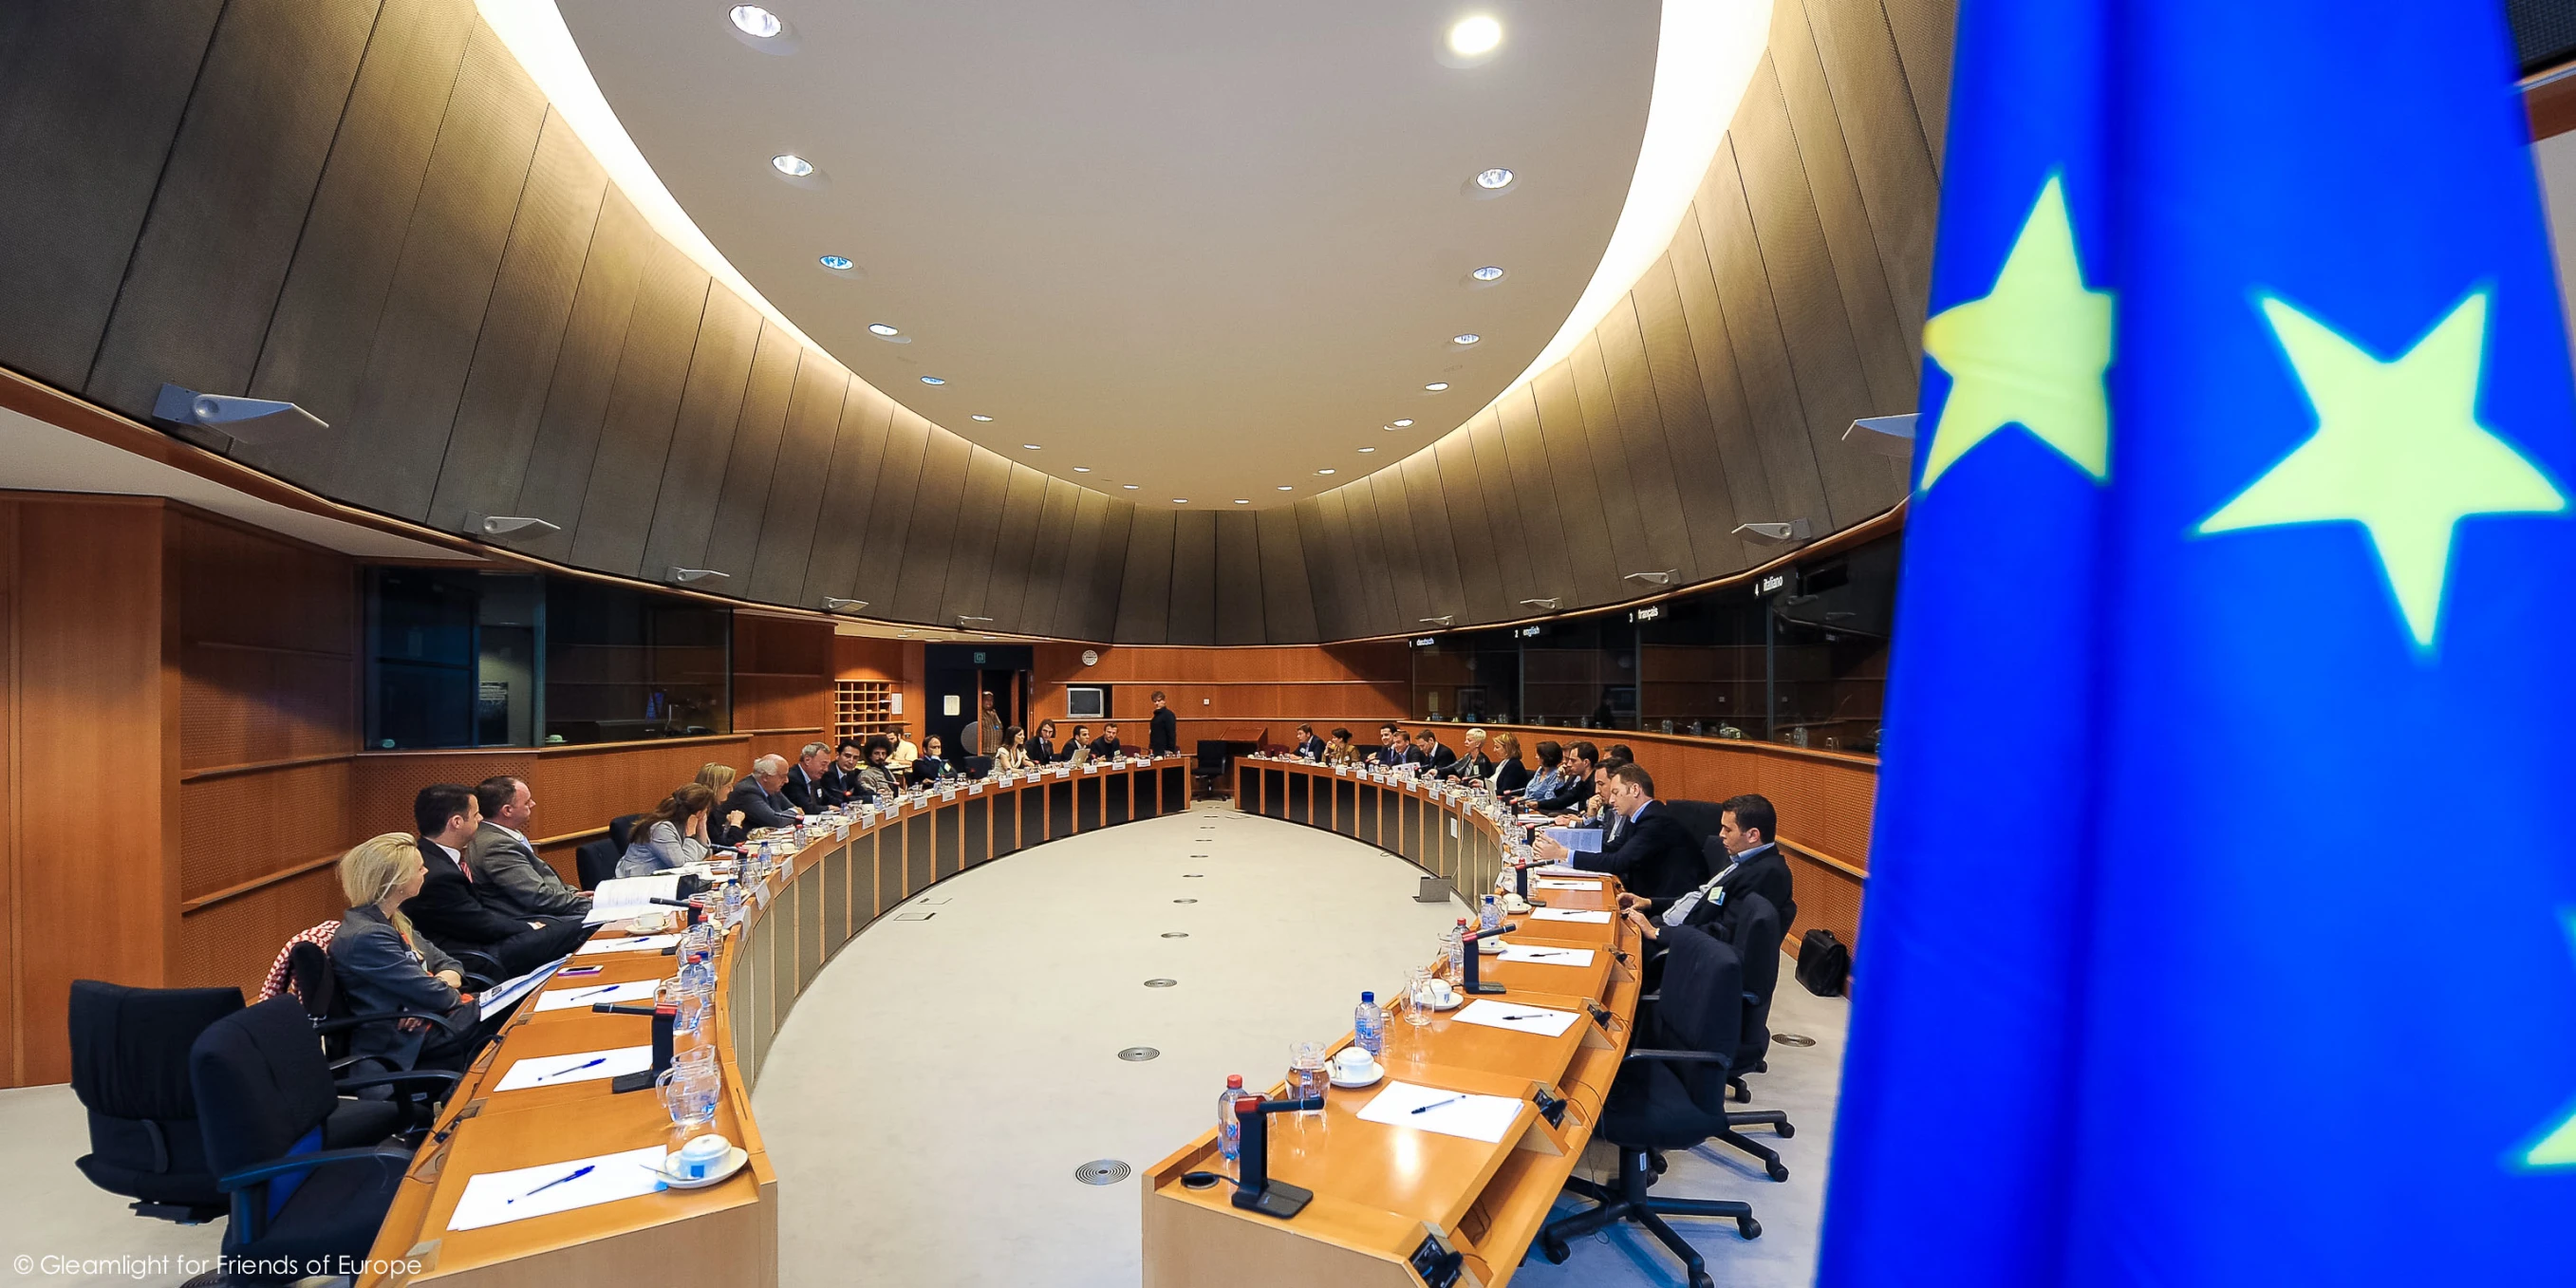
[(1307, 1073), (1417, 995)]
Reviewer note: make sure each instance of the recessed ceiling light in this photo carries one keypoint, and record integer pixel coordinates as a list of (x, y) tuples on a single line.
[(1240, 501), (1180, 500), (1465, 337), (1473, 36), (1366, 450), (760, 24), (1493, 179), (882, 329), (791, 165), (837, 263), (1082, 469), (1435, 386), (1400, 424), (1323, 471), (1129, 486), (1287, 487), (934, 380), (979, 416), (1027, 447), (1489, 273)]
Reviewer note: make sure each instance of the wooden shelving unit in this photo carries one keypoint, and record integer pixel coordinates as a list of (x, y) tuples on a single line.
[(862, 707)]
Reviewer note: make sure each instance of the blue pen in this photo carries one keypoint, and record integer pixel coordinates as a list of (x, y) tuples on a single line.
[(611, 988), (1438, 1103), (573, 1175), (575, 1069)]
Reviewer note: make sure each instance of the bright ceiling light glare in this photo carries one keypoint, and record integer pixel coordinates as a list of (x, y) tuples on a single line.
[(1401, 424), (791, 165), (760, 24), (1287, 487), (1436, 386), (1465, 337), (932, 380), (1471, 38), (979, 416), (1082, 469), (882, 329), (1240, 501), (1494, 180), (838, 264), (1366, 450), (1489, 273), (1323, 471), (1180, 500), (1025, 447), (1129, 486)]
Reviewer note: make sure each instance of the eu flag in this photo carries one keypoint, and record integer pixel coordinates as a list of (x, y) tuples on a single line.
[(2222, 920)]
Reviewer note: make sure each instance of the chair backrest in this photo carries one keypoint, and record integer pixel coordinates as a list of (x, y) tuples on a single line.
[(1213, 755), (261, 1083), (621, 832), (1701, 1009), (975, 766), (1753, 929), (596, 861), (130, 1070), (1702, 818)]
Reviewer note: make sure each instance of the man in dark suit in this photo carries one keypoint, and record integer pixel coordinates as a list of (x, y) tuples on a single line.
[(1574, 774), (756, 795), (1164, 735), (454, 913), (1392, 749), (1308, 745), (1430, 754), (1106, 745), (508, 875), (841, 783), (1754, 866), (1653, 854), (804, 786)]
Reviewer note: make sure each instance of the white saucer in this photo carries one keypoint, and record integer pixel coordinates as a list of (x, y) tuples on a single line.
[(732, 1163), (1491, 947), (1456, 1000), (1376, 1071)]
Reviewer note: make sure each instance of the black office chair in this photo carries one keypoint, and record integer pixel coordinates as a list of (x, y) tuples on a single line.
[(313, 981), (596, 861), (1752, 929), (621, 833), (271, 1120), (130, 1070), (1702, 818), (1668, 1096), (1208, 772), (975, 766)]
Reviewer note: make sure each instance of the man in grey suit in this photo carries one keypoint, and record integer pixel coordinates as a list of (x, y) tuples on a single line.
[(508, 874)]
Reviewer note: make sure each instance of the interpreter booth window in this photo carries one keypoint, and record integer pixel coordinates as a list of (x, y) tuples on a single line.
[(1473, 677), (623, 665), (1830, 629), (451, 658), (1580, 674), (1701, 666)]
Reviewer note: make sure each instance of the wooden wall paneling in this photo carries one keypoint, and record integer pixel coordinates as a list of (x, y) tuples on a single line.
[(1435, 545), (643, 407), (1376, 612), (796, 486), (1623, 504), (1730, 422), (1401, 548), (234, 941), (232, 195), (240, 827), (1580, 505), (1324, 530), (1480, 552), (1699, 468), (1145, 589), (1777, 421), (336, 289), (1923, 31), (979, 532), (1539, 521), (683, 503), (889, 516), (930, 543), (13, 1054), (1047, 559), (387, 456), (1287, 594), (858, 460), (557, 473), (1087, 549), (1889, 358), (90, 99), (1877, 96), (522, 332), (1652, 471), (751, 456), (1241, 598), (1193, 612), (1101, 597), (1014, 549), (1824, 359)]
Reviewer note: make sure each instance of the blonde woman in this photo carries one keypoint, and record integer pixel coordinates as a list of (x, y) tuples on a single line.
[(1509, 774), (385, 966), (725, 826)]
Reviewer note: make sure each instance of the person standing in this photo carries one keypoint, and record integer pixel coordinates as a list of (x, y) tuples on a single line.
[(1164, 737), (988, 729)]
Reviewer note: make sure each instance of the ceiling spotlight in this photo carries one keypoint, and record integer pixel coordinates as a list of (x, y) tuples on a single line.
[(932, 380), (882, 329), (1442, 620), (250, 420), (686, 576), (760, 24), (1551, 603), (1886, 435), (833, 605), (1129, 486), (1772, 534), (1031, 447), (1240, 501), (979, 416), (1180, 500), (1473, 36), (1663, 578), (1489, 273), (1323, 471), (1465, 337), (1082, 469), (1366, 450), (1400, 424), (1436, 386), (791, 165), (1287, 487), (836, 263), (1494, 180), (510, 525)]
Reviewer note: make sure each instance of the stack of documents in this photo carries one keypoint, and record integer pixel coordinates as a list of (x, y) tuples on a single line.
[(501, 996), (620, 898), (1450, 1113), (492, 1198), (1519, 1017), (1576, 840)]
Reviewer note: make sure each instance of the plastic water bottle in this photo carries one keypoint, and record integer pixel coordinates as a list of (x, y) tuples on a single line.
[(1368, 1025), (1491, 919), (1229, 1129)]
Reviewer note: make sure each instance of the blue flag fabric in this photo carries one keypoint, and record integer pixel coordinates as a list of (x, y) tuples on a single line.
[(2222, 920)]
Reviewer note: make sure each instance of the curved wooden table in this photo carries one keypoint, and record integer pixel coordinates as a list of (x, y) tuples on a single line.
[(1385, 1196), (726, 1234)]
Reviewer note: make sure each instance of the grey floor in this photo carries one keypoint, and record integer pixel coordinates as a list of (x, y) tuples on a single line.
[(928, 1102)]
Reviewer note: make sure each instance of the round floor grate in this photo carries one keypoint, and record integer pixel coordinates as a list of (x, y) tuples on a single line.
[(1161, 983), (1176, 934), (1102, 1171), (1793, 1039), (1138, 1055)]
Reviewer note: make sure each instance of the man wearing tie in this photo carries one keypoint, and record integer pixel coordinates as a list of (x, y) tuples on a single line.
[(512, 879), (1308, 745), (804, 787), (454, 912), (1652, 853)]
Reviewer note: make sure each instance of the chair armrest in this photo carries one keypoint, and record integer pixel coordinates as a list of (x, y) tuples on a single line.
[(443, 1077), (1677, 1057), (453, 1024), (250, 1176)]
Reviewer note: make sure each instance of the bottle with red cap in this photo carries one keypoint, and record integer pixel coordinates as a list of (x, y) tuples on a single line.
[(1229, 1129)]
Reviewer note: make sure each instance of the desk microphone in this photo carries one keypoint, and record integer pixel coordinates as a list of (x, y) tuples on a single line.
[(1256, 1192), (695, 912), (665, 1016), (1469, 969)]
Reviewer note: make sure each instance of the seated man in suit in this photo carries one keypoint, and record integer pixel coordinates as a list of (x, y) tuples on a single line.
[(1745, 828), (841, 784), (756, 795), (451, 908), (1106, 745), (1392, 748), (804, 786), (1430, 754), (1652, 853), (1080, 741), (1308, 745), (1574, 771), (513, 880)]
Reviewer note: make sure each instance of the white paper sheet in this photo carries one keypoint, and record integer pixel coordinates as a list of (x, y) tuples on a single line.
[(499, 997), (1450, 1113), (1547, 955), (619, 898), (1593, 916), (627, 944), (1551, 883), (494, 1198), (560, 1070), (1578, 840), (639, 990), (1519, 1017)]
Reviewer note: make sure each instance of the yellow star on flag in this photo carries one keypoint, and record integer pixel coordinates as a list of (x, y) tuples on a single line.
[(2557, 1148), (2031, 353), (2398, 449)]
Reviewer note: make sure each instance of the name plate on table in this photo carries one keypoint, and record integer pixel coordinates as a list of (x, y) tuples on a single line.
[(975, 789), (1341, 771), (1064, 771), (948, 793), (1091, 769)]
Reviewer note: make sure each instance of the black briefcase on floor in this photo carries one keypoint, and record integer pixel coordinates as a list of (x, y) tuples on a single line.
[(1823, 963)]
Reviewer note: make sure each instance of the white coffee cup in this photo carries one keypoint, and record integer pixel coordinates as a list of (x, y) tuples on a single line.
[(1352, 1063), (701, 1156), (1441, 993)]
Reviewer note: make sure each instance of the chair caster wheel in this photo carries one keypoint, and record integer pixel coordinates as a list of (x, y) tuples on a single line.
[(1787, 1130), (1701, 1279), (1748, 1227), (1655, 1161), (1778, 1171), (1740, 1094), (1554, 1249)]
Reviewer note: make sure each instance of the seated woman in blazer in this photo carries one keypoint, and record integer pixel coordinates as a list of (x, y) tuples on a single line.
[(1041, 746), (1338, 749), (671, 835), (1508, 774), (385, 966), (1012, 756)]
